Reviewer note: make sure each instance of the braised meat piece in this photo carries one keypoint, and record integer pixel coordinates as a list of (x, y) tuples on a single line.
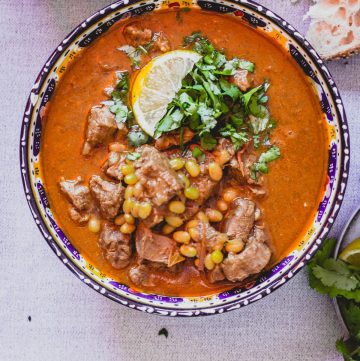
[(136, 35), (160, 182), (155, 247), (78, 194), (239, 219), (205, 233), (113, 166), (80, 217), (115, 245), (173, 139), (141, 275), (101, 125), (224, 151), (240, 168), (161, 43), (216, 274), (241, 80), (251, 261), (109, 195)]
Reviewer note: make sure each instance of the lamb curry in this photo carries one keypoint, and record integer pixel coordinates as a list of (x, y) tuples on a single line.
[(192, 184)]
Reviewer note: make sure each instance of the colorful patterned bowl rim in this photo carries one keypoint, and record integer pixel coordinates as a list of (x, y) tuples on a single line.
[(264, 21)]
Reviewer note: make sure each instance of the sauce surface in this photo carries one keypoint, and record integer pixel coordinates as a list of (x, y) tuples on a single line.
[(295, 182)]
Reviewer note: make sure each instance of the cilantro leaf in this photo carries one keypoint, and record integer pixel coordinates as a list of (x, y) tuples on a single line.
[(261, 165), (332, 278), (207, 141), (133, 156), (238, 138), (137, 137)]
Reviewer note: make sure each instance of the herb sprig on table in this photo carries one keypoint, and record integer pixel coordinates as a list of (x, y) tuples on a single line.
[(336, 278)]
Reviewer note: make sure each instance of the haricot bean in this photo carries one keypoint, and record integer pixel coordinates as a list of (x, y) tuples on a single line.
[(181, 237), (177, 207), (94, 225), (193, 168), (215, 171), (188, 251)]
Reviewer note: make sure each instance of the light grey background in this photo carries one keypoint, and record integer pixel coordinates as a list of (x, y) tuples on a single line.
[(72, 322)]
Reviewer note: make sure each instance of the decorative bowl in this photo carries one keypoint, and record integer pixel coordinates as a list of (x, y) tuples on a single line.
[(264, 21)]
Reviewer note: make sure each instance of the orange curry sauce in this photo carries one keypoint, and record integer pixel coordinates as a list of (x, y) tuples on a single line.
[(295, 182)]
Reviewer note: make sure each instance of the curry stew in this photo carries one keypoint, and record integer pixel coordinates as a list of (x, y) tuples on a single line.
[(227, 183)]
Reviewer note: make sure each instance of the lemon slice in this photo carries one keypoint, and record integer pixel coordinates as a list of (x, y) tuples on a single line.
[(156, 85), (351, 253)]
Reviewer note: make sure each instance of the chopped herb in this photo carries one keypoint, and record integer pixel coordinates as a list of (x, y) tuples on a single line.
[(119, 99), (238, 138), (210, 105), (137, 137), (261, 165), (164, 332), (198, 154), (133, 156), (135, 54), (207, 141)]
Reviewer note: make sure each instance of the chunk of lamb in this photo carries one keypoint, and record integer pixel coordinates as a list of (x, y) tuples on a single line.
[(115, 246), (241, 80), (216, 274), (114, 164), (136, 35), (240, 168), (155, 247), (159, 181), (207, 187), (141, 275), (101, 125), (239, 220), (173, 139), (161, 43), (77, 193), (208, 235), (251, 261), (109, 195), (80, 217)]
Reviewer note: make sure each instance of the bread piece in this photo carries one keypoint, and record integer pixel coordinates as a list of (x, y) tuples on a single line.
[(334, 30)]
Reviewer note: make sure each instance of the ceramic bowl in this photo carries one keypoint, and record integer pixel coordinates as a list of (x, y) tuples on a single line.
[(265, 22)]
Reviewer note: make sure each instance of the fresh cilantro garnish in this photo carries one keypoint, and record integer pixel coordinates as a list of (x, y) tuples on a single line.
[(119, 99), (136, 136), (265, 158), (211, 106), (339, 279), (133, 156), (135, 54), (198, 154), (238, 138)]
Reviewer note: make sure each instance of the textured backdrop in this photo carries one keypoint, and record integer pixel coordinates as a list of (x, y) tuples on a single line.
[(68, 319)]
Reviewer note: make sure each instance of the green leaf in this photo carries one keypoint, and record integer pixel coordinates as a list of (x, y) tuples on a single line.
[(351, 312), (261, 165), (331, 278), (133, 156), (137, 137), (197, 152), (238, 138), (207, 141)]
